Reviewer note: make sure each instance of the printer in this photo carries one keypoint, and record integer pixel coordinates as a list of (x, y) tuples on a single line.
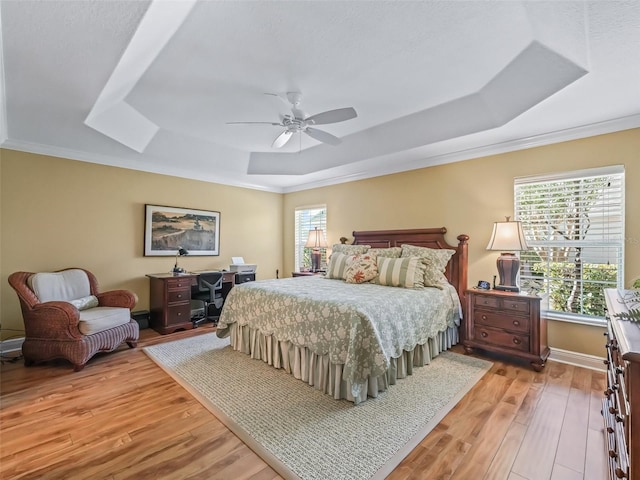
[(245, 272), (238, 266)]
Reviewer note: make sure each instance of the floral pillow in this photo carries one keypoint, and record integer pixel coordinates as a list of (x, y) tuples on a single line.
[(405, 272), (435, 261), (391, 252), (361, 268)]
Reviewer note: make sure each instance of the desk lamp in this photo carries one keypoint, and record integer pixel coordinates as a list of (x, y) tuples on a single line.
[(316, 241), (181, 252), (507, 237)]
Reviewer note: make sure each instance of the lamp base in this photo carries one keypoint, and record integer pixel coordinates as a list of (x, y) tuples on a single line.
[(505, 288), (315, 260), (508, 268)]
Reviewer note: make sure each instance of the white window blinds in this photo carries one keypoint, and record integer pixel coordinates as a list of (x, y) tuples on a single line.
[(574, 226), (306, 219)]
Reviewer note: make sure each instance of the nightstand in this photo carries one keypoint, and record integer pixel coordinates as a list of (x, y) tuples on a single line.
[(306, 274), (507, 323)]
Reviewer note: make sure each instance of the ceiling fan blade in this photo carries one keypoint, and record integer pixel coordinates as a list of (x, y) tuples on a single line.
[(282, 139), (323, 137), (255, 123), (332, 116)]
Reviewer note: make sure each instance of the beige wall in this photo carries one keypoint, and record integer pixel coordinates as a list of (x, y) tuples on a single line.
[(58, 213), (467, 197)]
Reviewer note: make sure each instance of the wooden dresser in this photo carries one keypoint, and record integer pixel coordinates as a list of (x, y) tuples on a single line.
[(622, 396), (170, 302), (507, 323)]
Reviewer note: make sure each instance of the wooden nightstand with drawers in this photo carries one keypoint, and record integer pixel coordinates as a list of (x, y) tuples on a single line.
[(507, 323)]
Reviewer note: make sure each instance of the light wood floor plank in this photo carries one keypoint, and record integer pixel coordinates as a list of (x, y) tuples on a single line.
[(122, 417)]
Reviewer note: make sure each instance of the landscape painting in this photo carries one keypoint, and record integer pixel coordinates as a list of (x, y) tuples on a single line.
[(167, 229)]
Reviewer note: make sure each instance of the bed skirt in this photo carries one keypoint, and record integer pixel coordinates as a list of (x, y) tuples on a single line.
[(320, 373)]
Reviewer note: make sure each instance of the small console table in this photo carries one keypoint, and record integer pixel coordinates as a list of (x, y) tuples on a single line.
[(170, 299)]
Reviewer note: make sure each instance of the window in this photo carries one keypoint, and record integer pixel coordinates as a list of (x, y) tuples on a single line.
[(574, 226), (308, 218)]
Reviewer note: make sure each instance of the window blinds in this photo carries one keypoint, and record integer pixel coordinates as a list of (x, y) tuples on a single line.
[(574, 226)]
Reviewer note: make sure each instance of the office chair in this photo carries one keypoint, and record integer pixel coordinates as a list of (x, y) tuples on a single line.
[(209, 291)]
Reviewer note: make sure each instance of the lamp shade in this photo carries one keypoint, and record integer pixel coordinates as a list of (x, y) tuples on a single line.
[(316, 239), (507, 237)]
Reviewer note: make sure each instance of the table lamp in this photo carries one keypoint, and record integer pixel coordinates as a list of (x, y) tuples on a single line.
[(507, 237), (316, 241), (181, 252)]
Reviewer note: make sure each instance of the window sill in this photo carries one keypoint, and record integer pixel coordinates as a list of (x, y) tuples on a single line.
[(581, 320)]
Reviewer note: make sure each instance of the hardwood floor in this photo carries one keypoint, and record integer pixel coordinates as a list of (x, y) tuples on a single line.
[(122, 417)]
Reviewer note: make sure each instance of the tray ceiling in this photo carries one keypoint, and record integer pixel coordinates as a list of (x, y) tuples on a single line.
[(152, 85)]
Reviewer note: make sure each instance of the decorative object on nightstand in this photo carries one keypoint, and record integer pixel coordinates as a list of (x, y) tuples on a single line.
[(508, 323), (316, 241), (180, 253), (507, 237)]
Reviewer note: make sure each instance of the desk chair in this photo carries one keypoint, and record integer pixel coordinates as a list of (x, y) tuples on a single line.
[(209, 292)]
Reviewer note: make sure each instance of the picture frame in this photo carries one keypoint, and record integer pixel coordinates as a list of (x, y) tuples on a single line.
[(167, 229)]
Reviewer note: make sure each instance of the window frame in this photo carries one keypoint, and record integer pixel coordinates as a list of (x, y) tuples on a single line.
[(610, 222), (301, 233)]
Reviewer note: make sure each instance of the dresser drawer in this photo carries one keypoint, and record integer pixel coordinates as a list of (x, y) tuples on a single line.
[(498, 320), (179, 313), (512, 341), (487, 302), (179, 283), (182, 295), (515, 305)]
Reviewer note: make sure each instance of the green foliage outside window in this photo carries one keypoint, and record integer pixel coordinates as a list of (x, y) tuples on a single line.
[(569, 294)]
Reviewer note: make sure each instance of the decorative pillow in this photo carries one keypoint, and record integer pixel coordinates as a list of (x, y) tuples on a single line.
[(435, 261), (85, 303), (405, 272), (361, 268), (349, 249), (337, 265), (391, 252)]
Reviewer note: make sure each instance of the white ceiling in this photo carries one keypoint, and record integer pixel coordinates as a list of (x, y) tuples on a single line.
[(151, 85)]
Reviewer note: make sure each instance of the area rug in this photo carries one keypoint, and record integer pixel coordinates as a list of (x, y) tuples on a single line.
[(303, 433)]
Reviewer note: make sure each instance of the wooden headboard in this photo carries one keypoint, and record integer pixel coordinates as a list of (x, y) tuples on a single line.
[(423, 237)]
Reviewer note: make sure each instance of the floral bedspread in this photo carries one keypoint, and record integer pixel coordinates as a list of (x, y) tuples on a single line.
[(359, 325)]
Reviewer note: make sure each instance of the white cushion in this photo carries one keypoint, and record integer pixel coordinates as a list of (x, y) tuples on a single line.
[(97, 319), (64, 286)]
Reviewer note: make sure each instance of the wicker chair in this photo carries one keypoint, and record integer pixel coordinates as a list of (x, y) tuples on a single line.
[(66, 323)]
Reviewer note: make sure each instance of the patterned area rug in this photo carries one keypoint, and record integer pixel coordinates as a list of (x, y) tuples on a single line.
[(303, 433)]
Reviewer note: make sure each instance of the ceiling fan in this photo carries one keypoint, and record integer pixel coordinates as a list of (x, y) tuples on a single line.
[(299, 122)]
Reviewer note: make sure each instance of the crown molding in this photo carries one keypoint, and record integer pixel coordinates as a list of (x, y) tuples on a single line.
[(601, 128), (559, 136)]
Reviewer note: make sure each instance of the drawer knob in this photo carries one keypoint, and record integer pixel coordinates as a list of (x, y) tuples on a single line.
[(484, 317), (517, 341), (179, 295), (610, 430), (619, 370), (516, 323), (613, 454), (620, 473), (484, 334), (179, 313), (613, 410), (514, 305), (486, 302)]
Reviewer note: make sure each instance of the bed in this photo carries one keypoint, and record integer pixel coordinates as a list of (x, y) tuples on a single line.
[(350, 340)]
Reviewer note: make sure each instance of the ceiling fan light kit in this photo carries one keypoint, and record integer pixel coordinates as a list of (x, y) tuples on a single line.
[(299, 122)]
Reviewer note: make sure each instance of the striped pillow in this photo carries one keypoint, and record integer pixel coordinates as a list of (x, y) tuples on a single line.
[(337, 265), (405, 272)]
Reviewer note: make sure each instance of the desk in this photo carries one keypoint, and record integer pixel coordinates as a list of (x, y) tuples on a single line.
[(170, 299)]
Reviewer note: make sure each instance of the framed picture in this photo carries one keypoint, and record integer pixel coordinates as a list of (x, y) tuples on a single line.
[(167, 229)]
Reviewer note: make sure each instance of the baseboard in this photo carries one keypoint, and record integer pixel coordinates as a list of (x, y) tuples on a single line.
[(579, 359), (11, 345)]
